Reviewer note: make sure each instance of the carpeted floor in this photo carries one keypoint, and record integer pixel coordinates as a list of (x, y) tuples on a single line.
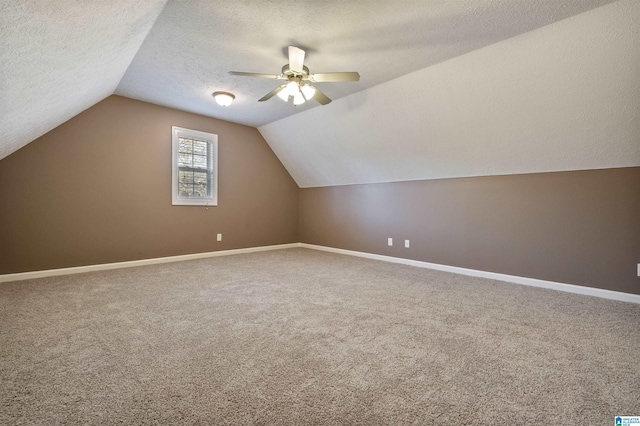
[(305, 337)]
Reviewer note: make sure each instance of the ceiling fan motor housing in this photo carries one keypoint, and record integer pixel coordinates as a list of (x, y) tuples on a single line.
[(287, 72)]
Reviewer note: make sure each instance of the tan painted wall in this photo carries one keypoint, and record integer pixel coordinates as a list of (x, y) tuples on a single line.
[(97, 189), (578, 227)]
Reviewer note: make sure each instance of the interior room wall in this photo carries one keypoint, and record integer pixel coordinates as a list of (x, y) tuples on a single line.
[(578, 227), (97, 189)]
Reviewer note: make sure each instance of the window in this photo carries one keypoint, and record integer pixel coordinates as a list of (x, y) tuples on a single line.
[(194, 177)]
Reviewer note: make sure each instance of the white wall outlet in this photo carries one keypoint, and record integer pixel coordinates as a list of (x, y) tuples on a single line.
[(639, 269), (406, 243), (390, 241), (219, 237)]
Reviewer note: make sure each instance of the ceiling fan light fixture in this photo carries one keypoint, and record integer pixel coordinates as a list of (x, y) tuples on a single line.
[(293, 88), (223, 98), (308, 91), (296, 74), (298, 99), (284, 94)]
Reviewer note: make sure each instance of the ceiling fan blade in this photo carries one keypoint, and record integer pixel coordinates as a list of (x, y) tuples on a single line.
[(253, 74), (296, 59), (334, 76), (272, 93), (321, 97)]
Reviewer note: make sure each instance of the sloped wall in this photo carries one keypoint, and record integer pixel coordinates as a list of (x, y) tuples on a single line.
[(97, 189), (580, 227), (562, 97)]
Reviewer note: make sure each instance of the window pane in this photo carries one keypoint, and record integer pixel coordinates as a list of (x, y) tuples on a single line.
[(184, 160), (200, 178), (200, 190), (185, 145), (200, 147), (200, 161), (185, 190), (185, 177), (185, 183)]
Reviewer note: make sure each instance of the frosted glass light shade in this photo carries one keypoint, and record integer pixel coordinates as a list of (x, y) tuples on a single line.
[(284, 94), (223, 98), (308, 91), (293, 88), (298, 99)]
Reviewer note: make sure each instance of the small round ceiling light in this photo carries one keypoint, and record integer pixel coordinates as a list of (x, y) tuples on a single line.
[(223, 98)]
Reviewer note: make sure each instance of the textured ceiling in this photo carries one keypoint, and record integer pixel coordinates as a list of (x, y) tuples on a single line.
[(448, 88), (563, 97), (194, 44), (58, 58)]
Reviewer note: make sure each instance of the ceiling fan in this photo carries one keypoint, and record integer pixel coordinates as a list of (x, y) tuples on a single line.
[(298, 77)]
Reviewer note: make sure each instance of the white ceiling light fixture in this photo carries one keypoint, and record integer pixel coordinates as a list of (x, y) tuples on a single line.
[(294, 89), (308, 91), (223, 98), (298, 99), (284, 94)]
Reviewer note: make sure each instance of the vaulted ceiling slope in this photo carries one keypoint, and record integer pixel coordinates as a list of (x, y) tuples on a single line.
[(194, 44), (563, 97), (60, 57)]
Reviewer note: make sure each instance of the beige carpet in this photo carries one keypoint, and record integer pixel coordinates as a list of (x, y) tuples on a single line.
[(305, 337)]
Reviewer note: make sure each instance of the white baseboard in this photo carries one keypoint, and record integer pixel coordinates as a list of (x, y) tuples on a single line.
[(570, 288), (133, 263)]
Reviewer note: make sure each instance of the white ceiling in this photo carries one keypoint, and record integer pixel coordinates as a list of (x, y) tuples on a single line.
[(194, 44), (432, 102), (58, 58)]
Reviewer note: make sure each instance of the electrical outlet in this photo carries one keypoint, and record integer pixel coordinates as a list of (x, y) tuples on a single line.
[(219, 237), (639, 269), (389, 241), (406, 243)]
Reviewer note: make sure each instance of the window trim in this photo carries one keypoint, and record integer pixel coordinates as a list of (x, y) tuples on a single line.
[(212, 139)]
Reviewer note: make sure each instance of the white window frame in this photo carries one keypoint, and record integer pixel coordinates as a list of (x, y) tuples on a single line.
[(212, 140)]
